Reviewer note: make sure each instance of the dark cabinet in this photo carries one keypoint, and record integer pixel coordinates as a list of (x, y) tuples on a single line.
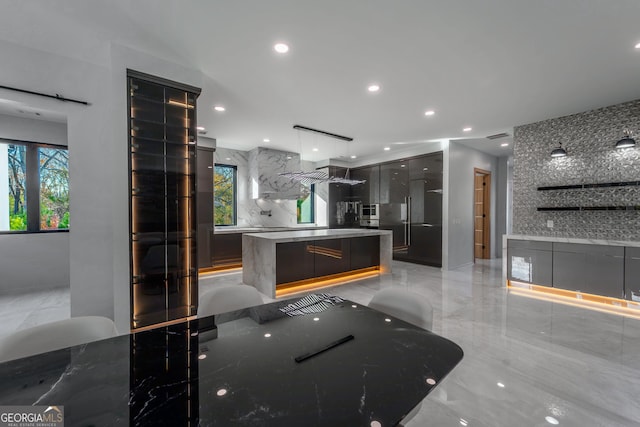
[(365, 252), (530, 261), (331, 256), (297, 261), (593, 269), (368, 192), (294, 261), (632, 274), (205, 206), (162, 165), (411, 206), (394, 182), (226, 250)]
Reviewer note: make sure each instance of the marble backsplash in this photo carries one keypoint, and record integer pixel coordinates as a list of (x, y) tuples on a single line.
[(283, 211)]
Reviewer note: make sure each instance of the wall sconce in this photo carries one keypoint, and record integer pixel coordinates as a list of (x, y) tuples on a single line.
[(558, 152), (626, 141)]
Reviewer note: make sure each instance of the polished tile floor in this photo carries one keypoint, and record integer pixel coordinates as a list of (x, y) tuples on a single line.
[(527, 362)]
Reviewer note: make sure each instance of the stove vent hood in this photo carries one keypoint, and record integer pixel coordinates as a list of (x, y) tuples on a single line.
[(264, 182)]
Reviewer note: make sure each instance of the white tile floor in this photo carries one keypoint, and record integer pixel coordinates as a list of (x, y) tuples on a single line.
[(525, 359)]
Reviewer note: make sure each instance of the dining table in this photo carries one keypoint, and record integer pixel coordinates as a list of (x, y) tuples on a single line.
[(317, 360)]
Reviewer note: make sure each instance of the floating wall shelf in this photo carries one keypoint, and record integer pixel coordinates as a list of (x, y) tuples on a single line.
[(590, 208), (584, 186)]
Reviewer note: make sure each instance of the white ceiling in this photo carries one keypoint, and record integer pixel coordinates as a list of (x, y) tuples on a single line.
[(489, 64)]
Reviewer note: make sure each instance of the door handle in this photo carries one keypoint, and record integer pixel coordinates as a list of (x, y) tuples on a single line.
[(409, 219)]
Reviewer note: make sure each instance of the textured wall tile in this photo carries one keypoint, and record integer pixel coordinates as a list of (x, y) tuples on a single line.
[(590, 139)]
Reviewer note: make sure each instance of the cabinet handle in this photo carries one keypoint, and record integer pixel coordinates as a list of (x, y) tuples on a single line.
[(409, 218)]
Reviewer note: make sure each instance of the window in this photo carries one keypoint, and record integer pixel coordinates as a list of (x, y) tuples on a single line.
[(34, 196), (305, 207), (224, 195), (54, 188)]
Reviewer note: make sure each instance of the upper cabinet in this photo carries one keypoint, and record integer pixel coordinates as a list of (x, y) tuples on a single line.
[(369, 192), (394, 182)]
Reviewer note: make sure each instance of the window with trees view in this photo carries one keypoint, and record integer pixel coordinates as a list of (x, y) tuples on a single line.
[(304, 207), (35, 192), (224, 195)]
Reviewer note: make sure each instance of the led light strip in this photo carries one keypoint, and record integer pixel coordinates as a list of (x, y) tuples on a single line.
[(587, 301), (326, 281)]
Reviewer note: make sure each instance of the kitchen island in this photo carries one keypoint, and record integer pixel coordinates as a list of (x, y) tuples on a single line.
[(281, 263)]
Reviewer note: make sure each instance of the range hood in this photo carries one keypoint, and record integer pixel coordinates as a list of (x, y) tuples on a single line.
[(264, 182)]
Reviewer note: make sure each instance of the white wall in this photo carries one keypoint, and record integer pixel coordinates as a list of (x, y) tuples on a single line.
[(97, 140), (459, 229), (12, 127), (35, 261), (503, 205)]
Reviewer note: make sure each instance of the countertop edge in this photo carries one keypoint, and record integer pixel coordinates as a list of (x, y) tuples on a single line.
[(583, 241), (302, 235)]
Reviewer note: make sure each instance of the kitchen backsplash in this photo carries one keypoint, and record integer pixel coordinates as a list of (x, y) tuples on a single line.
[(282, 211), (590, 139)]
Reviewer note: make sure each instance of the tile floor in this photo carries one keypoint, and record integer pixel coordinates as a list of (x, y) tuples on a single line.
[(527, 362)]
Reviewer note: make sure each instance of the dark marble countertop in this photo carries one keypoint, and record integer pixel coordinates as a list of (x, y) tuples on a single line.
[(240, 369)]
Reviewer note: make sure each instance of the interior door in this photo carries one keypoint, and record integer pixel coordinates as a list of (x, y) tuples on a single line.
[(482, 219)]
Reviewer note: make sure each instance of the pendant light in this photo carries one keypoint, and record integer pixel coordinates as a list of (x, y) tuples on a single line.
[(559, 152), (626, 141)]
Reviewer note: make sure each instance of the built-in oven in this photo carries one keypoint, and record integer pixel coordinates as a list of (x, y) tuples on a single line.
[(370, 215)]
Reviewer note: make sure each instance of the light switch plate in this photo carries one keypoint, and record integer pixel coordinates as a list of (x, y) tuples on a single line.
[(549, 223)]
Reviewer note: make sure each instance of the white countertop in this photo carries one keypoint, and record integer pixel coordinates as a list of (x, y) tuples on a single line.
[(302, 235), (232, 229), (573, 240)]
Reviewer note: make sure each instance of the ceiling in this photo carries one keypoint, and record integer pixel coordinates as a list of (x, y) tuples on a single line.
[(489, 65)]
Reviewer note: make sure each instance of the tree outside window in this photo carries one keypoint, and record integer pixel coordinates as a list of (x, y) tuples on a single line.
[(224, 195), (54, 188), (305, 207), (35, 193), (17, 171)]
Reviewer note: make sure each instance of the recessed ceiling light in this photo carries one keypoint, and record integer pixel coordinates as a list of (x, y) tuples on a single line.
[(288, 157), (353, 157), (199, 128), (314, 149), (266, 140), (373, 88), (500, 385), (387, 148), (228, 158), (281, 48), (638, 46), (202, 356), (402, 166), (219, 108), (221, 392), (504, 144), (429, 113), (467, 130)]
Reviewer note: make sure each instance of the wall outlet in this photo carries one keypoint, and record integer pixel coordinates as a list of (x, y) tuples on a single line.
[(549, 223)]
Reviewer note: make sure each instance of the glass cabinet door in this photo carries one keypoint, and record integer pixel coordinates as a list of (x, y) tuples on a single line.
[(162, 207)]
